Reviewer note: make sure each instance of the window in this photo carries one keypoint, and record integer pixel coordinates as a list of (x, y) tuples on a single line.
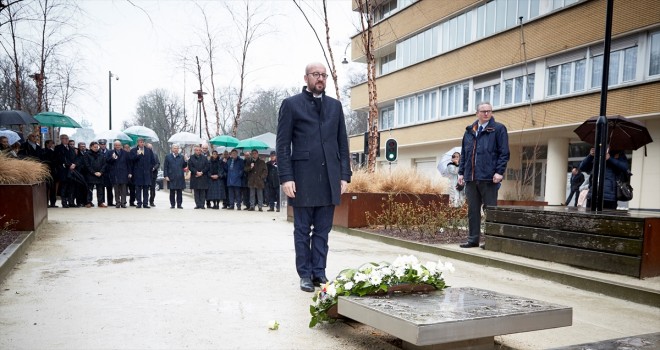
[(567, 77), (489, 93), (519, 89), (623, 67), (386, 118), (388, 63), (388, 8), (654, 62), (455, 99), (418, 108)]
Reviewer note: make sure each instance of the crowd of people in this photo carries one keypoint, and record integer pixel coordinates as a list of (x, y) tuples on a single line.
[(122, 176)]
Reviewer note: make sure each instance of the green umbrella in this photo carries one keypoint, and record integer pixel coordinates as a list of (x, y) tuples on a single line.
[(224, 140), (56, 119), (252, 144)]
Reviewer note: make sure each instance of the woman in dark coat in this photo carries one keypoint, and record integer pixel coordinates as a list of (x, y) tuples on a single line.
[(216, 191), (616, 165), (198, 165), (94, 171), (118, 160), (173, 173)]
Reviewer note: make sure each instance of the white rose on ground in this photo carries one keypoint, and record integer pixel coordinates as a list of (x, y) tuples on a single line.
[(349, 285), (273, 325)]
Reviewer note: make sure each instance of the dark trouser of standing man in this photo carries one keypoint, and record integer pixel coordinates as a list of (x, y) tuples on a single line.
[(142, 196), (575, 192), (256, 198), (274, 198), (312, 250), (51, 195), (176, 196), (234, 197), (120, 191), (200, 198), (478, 193), (152, 191), (131, 194)]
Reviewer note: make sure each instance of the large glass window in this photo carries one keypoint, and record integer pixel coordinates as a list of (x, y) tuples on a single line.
[(386, 118), (654, 62), (623, 67), (455, 99), (567, 77), (519, 89), (489, 93), (417, 108), (388, 63)]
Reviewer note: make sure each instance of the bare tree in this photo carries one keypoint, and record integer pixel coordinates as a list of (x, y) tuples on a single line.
[(260, 114), (367, 11), (200, 99), (250, 28), (210, 46), (227, 100), (331, 61)]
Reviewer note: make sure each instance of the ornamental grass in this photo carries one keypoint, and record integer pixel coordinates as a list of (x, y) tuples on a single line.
[(21, 171), (400, 180)]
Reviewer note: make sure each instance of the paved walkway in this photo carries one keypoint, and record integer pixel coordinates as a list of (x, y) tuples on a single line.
[(165, 278)]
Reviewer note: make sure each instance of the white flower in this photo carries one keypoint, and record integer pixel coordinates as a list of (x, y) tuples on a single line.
[(400, 271), (359, 277), (418, 268), (331, 290), (349, 285), (273, 325), (386, 271), (405, 260), (432, 267), (375, 279), (425, 278), (448, 266)]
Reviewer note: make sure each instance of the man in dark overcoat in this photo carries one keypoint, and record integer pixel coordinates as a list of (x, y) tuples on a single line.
[(273, 183), (65, 157), (120, 168), (143, 164), (48, 158), (95, 168), (198, 165), (314, 170), (107, 185), (154, 177), (173, 173)]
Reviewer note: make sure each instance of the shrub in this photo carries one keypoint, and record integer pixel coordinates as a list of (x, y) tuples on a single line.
[(400, 180), (21, 171)]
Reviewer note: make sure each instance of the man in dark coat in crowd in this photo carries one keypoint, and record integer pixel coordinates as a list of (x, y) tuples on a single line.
[(273, 183), (65, 157), (198, 165), (245, 189), (95, 168), (173, 173), (314, 169), (256, 171), (143, 164), (49, 158), (154, 177), (120, 167), (235, 173), (577, 178), (31, 147), (107, 185)]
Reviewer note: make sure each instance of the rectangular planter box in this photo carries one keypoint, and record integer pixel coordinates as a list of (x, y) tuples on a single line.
[(25, 204), (353, 209)]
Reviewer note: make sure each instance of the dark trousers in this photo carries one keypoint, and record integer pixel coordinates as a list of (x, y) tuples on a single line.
[(259, 194), (51, 189), (152, 190), (311, 226), (67, 191), (142, 195), (606, 204), (274, 197), (176, 195), (478, 193), (100, 193), (131, 193), (234, 196), (225, 201), (120, 192), (577, 195), (245, 193), (200, 198), (108, 194)]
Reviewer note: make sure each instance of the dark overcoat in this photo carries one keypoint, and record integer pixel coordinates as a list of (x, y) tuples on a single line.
[(312, 149), (198, 163), (64, 157), (273, 178), (120, 167), (94, 162), (485, 154), (108, 167), (143, 165), (173, 169), (616, 166), (256, 175), (234, 172)]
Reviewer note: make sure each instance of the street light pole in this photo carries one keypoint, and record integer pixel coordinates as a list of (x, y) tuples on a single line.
[(110, 76)]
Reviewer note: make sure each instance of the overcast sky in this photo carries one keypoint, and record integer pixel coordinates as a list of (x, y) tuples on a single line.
[(145, 47)]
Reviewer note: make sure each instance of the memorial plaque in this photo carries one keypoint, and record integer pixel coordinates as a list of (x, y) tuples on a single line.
[(454, 315)]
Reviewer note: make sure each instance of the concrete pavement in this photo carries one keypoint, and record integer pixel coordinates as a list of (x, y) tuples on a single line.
[(165, 278)]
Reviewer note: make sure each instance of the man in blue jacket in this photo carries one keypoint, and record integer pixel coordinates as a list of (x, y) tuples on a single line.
[(314, 170), (234, 169), (484, 155), (143, 164)]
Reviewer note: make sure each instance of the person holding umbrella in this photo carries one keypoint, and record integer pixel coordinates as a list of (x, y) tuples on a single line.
[(616, 165)]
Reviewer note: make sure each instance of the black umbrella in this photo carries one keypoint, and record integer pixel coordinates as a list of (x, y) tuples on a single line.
[(16, 118), (623, 133)]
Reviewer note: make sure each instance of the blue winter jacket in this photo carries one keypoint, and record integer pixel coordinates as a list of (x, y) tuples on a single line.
[(614, 167), (234, 171), (486, 154)]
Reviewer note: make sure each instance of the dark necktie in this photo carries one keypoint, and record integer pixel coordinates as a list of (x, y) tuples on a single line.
[(481, 128)]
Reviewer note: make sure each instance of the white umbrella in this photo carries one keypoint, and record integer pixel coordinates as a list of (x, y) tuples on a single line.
[(446, 159), (185, 138), (142, 131), (111, 135), (11, 136)]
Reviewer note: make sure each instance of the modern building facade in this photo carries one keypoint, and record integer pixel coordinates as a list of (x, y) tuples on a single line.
[(437, 59)]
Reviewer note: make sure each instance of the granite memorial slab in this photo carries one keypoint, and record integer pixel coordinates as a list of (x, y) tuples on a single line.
[(454, 318)]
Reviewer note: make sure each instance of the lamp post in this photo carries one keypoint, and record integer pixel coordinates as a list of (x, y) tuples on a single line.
[(200, 98), (110, 76), (345, 61)]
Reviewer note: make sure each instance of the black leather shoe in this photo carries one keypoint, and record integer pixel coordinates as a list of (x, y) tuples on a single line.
[(469, 245), (306, 284), (318, 281)]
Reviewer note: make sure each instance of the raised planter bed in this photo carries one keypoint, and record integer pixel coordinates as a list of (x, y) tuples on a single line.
[(352, 212), (25, 205)]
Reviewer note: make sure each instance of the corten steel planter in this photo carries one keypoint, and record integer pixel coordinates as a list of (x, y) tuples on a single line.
[(353, 209), (26, 205)]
